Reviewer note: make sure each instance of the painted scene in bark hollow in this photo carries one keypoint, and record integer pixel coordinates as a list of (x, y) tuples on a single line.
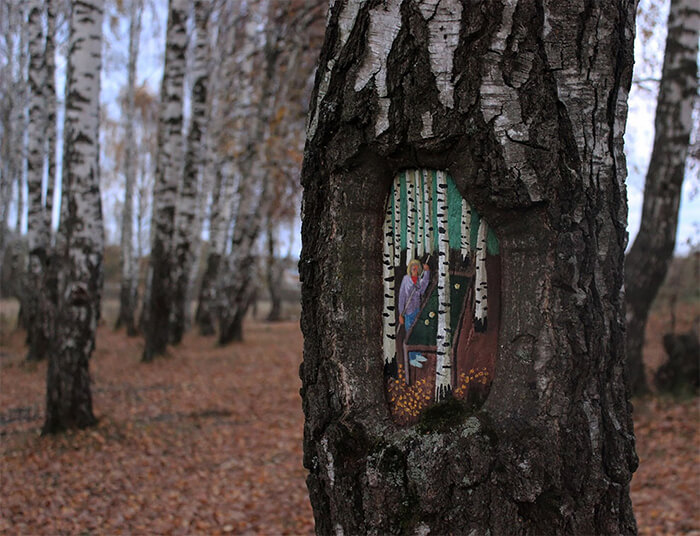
[(441, 275)]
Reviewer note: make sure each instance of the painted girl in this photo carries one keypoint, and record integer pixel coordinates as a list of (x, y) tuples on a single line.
[(413, 286)]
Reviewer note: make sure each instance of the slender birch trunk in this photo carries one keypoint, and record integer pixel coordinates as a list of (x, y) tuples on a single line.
[(652, 251), (51, 104), (410, 215), (397, 223), (427, 209), (187, 203), (38, 328), (168, 173), (420, 218), (389, 281), (128, 294), (443, 367), (80, 240), (480, 279)]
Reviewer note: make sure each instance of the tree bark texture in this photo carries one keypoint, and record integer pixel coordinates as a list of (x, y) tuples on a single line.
[(38, 325), (80, 240), (650, 255), (524, 105), (128, 292), (168, 173), (187, 200)]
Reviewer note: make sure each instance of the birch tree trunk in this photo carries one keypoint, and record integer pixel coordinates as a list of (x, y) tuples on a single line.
[(80, 240), (168, 172), (187, 200), (128, 293), (652, 251), (524, 106), (38, 328), (51, 104)]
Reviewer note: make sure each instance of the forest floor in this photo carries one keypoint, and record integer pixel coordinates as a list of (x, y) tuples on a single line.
[(209, 441)]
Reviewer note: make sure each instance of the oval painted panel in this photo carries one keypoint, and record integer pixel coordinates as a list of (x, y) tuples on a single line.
[(441, 277)]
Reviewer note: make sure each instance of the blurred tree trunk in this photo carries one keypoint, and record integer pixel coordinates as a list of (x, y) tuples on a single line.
[(168, 173), (80, 240), (524, 105), (652, 251), (51, 104), (217, 170), (274, 274), (38, 325), (187, 200), (251, 94), (128, 294)]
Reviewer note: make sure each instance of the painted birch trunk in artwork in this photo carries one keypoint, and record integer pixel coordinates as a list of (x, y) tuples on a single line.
[(389, 279), (38, 328), (420, 217), (443, 360), (480, 280), (427, 179), (129, 277), (50, 103), (651, 253), (184, 238), (80, 239), (168, 173), (523, 105), (410, 215), (397, 223)]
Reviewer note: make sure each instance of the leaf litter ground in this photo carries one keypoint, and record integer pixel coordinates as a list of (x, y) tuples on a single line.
[(209, 441)]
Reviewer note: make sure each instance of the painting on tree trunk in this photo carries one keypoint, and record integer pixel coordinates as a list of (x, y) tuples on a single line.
[(441, 273)]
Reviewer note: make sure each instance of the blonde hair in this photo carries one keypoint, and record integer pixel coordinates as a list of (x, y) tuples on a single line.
[(411, 263)]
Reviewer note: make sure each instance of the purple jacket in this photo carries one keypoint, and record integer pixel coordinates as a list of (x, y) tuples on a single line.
[(407, 287)]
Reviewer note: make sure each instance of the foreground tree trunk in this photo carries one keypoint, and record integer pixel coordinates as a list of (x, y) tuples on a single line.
[(652, 251), (80, 241), (168, 169), (524, 106)]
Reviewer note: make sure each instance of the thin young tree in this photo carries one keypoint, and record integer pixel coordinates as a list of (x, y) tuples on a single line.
[(651, 253), (129, 270), (524, 105), (168, 173), (80, 238)]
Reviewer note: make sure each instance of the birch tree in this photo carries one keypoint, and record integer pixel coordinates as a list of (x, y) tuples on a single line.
[(80, 240), (187, 200), (524, 106), (651, 253), (168, 173), (38, 330), (443, 367), (129, 274)]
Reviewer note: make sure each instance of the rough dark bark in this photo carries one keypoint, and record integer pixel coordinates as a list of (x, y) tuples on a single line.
[(80, 240), (651, 253), (527, 116)]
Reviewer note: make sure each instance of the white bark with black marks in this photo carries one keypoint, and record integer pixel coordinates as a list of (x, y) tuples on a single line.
[(481, 279), (80, 239), (185, 227), (168, 174), (443, 366)]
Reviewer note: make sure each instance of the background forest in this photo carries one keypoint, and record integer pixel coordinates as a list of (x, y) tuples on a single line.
[(187, 226)]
